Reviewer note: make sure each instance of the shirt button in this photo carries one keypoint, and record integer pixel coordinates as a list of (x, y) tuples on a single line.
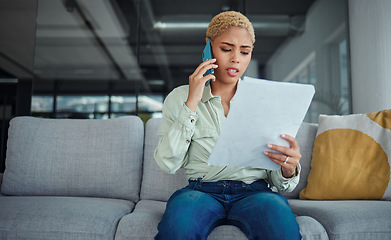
[(187, 141), (192, 120)]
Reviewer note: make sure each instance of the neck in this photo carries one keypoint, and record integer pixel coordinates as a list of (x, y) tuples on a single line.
[(224, 90)]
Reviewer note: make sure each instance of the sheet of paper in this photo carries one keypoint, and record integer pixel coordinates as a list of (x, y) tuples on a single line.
[(261, 111)]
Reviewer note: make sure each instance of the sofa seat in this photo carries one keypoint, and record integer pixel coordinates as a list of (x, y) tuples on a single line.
[(61, 217), (348, 219), (141, 224)]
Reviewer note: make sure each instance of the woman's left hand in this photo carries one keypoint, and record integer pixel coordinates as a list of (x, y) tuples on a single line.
[(288, 157)]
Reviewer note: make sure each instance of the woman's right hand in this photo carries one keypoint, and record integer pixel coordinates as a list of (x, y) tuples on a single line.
[(197, 82)]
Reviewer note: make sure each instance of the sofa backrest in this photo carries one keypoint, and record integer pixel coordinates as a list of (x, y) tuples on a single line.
[(305, 138), (157, 185), (1, 179), (69, 157)]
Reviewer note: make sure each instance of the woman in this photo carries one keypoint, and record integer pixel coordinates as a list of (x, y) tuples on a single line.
[(193, 116)]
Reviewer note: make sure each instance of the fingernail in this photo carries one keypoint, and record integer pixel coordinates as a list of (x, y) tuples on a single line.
[(269, 146), (266, 153), (283, 135)]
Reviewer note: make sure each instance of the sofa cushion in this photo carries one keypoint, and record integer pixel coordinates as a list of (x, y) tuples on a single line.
[(348, 219), (305, 138), (61, 217), (156, 184), (351, 158), (142, 224), (311, 229), (64, 157)]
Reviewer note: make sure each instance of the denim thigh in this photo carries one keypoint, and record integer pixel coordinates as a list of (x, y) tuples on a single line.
[(190, 214)]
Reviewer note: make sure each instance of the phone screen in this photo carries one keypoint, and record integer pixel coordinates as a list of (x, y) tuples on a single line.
[(207, 54)]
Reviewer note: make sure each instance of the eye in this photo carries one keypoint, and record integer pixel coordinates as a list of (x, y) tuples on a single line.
[(225, 50), (245, 53)]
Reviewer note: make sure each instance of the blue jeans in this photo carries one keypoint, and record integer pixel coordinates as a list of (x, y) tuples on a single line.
[(194, 211)]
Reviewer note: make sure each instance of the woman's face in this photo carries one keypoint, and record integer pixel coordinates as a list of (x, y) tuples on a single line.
[(232, 50)]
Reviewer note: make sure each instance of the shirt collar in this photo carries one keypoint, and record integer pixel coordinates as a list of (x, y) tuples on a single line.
[(207, 94)]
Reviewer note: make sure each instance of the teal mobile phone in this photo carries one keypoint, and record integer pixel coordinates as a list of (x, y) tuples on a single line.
[(207, 54)]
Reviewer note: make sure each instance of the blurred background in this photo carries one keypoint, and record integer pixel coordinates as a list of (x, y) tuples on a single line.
[(102, 59)]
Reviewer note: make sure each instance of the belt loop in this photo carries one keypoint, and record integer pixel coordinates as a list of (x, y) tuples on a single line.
[(199, 182), (223, 183)]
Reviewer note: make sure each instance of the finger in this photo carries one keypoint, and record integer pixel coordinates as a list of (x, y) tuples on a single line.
[(292, 141), (200, 75), (276, 157), (207, 77), (207, 67), (209, 61), (281, 159), (203, 64), (281, 163), (286, 151)]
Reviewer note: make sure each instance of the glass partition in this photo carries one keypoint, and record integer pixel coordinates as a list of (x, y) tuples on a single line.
[(110, 58)]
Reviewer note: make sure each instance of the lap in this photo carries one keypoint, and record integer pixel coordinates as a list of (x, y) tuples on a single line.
[(260, 204), (190, 214), (194, 206), (264, 214), (192, 199)]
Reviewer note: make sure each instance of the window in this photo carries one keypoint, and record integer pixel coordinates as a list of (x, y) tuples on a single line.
[(332, 89), (42, 104), (344, 77), (97, 107), (306, 73)]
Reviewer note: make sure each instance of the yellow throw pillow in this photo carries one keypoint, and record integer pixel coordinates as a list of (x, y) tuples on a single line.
[(351, 158)]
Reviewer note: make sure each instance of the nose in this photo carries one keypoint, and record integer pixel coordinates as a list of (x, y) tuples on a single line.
[(235, 57)]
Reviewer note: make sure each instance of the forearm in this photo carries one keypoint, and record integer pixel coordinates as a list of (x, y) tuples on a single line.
[(174, 140)]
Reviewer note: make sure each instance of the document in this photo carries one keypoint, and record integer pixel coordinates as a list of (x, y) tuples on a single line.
[(260, 112)]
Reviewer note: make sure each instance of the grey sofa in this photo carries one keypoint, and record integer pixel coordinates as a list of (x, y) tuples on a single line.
[(97, 179)]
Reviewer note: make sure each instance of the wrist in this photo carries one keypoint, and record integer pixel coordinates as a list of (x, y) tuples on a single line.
[(192, 105), (290, 174)]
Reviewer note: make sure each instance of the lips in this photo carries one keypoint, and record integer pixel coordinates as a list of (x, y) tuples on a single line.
[(232, 71)]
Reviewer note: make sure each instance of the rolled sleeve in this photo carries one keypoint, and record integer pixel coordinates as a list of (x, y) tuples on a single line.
[(285, 184), (187, 117), (175, 136)]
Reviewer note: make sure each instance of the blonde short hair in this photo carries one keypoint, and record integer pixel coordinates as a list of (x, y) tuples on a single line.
[(222, 21)]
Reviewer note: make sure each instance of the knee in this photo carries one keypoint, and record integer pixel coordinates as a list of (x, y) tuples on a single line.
[(274, 207), (266, 216), (176, 227)]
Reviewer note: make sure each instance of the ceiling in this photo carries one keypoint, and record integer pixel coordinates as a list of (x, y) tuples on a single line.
[(106, 40)]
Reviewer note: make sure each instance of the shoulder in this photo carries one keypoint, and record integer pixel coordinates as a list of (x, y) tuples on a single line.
[(178, 94), (176, 98)]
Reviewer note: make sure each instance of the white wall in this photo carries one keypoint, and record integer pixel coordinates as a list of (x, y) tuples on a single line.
[(322, 21), (370, 44), (326, 23)]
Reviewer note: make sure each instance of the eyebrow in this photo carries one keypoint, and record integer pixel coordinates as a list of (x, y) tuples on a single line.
[(230, 44)]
